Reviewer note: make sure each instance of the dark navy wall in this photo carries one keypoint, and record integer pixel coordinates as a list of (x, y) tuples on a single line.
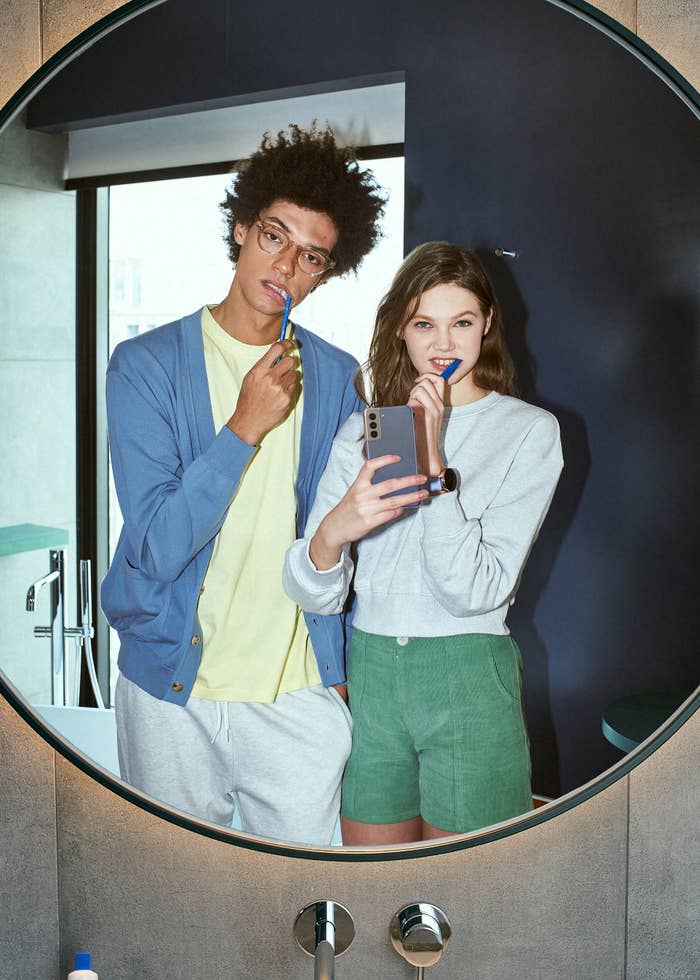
[(525, 128)]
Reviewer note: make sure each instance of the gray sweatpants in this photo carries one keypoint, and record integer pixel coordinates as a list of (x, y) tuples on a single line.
[(279, 765)]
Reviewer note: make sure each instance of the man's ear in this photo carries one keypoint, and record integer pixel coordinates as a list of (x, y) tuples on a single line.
[(319, 282), (239, 232)]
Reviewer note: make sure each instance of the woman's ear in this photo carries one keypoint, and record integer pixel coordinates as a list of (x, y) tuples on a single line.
[(489, 318)]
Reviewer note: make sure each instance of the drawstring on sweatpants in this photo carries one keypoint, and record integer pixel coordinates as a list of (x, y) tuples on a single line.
[(222, 718)]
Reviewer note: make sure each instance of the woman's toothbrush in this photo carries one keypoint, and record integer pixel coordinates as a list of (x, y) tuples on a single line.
[(450, 370)]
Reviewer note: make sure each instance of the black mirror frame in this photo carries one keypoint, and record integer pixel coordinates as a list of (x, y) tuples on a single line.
[(690, 96)]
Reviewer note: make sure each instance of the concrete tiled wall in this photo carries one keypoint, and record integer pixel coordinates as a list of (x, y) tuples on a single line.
[(152, 900), (32, 30), (550, 903), (37, 385), (62, 20), (672, 27), (29, 939), (664, 863), (155, 901)]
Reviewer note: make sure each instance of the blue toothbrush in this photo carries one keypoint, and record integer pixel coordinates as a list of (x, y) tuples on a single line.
[(285, 318), (450, 370)]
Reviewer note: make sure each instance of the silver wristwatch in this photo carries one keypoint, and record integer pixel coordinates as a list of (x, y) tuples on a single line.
[(445, 482)]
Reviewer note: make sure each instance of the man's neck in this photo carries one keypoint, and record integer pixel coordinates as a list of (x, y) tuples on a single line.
[(237, 318)]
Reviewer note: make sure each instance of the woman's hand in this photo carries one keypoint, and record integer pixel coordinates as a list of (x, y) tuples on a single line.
[(361, 510), (427, 398)]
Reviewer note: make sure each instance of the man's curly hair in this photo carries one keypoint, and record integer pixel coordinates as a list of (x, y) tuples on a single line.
[(309, 169)]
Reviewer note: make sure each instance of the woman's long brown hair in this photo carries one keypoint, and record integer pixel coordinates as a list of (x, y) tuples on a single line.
[(389, 367)]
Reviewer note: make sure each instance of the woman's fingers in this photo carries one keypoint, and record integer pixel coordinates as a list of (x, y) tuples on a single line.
[(371, 466), (384, 487), (429, 391)]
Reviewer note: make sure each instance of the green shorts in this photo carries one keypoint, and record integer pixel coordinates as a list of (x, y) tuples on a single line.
[(438, 731)]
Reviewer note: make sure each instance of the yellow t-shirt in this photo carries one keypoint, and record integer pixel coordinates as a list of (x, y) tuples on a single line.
[(255, 641)]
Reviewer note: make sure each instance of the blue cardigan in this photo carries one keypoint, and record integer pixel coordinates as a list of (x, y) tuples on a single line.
[(175, 478)]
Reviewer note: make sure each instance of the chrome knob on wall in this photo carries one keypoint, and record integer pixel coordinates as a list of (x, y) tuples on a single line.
[(502, 252), (420, 933), (324, 930)]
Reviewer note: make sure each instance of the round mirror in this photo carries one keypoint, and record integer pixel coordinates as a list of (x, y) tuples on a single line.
[(521, 130)]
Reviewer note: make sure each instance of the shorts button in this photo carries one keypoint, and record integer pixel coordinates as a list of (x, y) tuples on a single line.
[(402, 640), (177, 686), (196, 640)]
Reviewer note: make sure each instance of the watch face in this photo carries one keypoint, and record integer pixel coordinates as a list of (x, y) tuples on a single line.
[(450, 479)]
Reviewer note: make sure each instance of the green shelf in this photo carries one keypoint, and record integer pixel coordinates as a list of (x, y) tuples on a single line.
[(30, 537)]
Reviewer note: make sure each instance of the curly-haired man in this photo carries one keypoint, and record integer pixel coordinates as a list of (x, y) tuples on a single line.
[(228, 697)]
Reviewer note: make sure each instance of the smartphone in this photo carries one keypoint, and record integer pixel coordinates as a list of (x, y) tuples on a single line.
[(392, 431)]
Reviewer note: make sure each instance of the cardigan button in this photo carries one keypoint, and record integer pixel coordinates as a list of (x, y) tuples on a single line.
[(196, 640), (177, 687)]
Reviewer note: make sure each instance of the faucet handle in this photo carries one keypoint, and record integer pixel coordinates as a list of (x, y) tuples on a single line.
[(321, 925), (420, 933)]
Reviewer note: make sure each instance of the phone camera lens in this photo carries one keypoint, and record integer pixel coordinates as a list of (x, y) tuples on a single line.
[(372, 415), (373, 435)]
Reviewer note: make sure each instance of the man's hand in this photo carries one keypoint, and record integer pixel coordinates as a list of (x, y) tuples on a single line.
[(268, 392)]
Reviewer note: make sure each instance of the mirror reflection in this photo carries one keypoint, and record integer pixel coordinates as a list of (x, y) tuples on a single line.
[(582, 312)]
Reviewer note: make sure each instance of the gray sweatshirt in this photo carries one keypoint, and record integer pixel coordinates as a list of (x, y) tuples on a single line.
[(453, 564)]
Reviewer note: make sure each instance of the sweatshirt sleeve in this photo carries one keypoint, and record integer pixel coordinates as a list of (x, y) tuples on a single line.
[(315, 591), (170, 511), (473, 565)]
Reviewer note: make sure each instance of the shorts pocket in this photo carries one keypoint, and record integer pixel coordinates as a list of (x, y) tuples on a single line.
[(504, 659), (346, 711)]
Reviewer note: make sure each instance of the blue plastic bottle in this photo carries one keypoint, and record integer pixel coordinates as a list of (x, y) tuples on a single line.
[(82, 970)]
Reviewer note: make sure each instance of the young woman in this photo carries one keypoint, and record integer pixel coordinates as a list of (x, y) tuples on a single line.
[(439, 743)]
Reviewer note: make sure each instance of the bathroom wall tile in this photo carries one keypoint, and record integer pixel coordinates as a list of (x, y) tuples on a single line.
[(672, 27), (625, 11), (38, 411), (664, 860), (62, 20), (32, 159), (37, 406), (29, 938), (20, 44), (152, 899), (37, 257)]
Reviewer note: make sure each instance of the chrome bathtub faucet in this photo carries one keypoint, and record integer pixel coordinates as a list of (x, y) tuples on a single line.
[(324, 930), (58, 631)]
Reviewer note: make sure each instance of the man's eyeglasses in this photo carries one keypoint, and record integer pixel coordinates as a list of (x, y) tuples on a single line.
[(273, 240)]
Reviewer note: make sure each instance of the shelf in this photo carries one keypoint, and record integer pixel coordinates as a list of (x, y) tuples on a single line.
[(30, 537)]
